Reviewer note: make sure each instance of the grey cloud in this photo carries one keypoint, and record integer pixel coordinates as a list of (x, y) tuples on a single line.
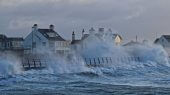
[(128, 17)]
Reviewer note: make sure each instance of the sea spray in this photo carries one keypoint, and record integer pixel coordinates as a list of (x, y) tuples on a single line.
[(9, 65), (61, 71), (148, 54), (60, 65)]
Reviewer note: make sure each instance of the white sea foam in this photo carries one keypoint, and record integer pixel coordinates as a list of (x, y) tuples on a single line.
[(150, 56), (60, 65), (9, 65)]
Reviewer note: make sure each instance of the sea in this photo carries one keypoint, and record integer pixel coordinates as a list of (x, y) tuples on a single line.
[(98, 81), (149, 76)]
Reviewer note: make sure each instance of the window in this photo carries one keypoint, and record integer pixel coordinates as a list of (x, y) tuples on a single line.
[(51, 44), (44, 43), (8, 44), (34, 44), (52, 34)]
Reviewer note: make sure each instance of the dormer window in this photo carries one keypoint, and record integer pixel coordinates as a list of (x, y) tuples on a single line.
[(44, 43), (52, 34)]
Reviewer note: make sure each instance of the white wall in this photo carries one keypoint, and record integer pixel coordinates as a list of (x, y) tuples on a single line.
[(38, 38), (17, 44), (62, 45)]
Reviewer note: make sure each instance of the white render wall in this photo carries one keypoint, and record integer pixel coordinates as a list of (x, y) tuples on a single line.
[(17, 44), (51, 45), (38, 38), (62, 45)]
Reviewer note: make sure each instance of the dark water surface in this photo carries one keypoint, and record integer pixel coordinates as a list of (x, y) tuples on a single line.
[(86, 83)]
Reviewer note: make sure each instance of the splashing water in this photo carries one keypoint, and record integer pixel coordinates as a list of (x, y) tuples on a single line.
[(9, 65), (153, 70)]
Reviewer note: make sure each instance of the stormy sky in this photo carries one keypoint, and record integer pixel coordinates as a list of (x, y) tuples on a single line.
[(146, 18)]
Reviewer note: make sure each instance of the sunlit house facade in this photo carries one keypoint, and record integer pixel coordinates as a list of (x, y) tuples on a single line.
[(44, 41)]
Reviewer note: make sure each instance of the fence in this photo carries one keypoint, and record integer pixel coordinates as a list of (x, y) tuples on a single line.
[(40, 63), (34, 64), (103, 61)]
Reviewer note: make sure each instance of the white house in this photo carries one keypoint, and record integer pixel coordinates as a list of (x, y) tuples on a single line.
[(3, 40), (15, 43), (11, 45), (164, 40), (133, 43), (98, 36), (45, 40)]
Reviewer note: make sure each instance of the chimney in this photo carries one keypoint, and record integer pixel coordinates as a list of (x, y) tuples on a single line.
[(73, 36), (83, 33), (35, 27), (51, 27)]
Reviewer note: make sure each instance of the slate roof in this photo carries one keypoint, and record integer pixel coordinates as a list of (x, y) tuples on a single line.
[(156, 40), (2, 36), (167, 37), (5, 38), (131, 43), (115, 35), (79, 41), (15, 39), (75, 41), (45, 32), (85, 36)]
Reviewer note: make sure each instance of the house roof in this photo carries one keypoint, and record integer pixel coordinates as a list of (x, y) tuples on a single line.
[(45, 32), (2, 36), (79, 41), (15, 39), (75, 41), (85, 36), (156, 40), (167, 37), (132, 43), (115, 35)]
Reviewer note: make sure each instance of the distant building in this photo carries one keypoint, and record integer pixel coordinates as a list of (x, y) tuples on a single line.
[(45, 40), (11, 44), (117, 39), (93, 35), (15, 43), (3, 42), (164, 40), (132, 43)]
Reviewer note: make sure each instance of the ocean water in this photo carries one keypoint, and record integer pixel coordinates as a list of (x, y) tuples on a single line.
[(99, 81), (150, 76)]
